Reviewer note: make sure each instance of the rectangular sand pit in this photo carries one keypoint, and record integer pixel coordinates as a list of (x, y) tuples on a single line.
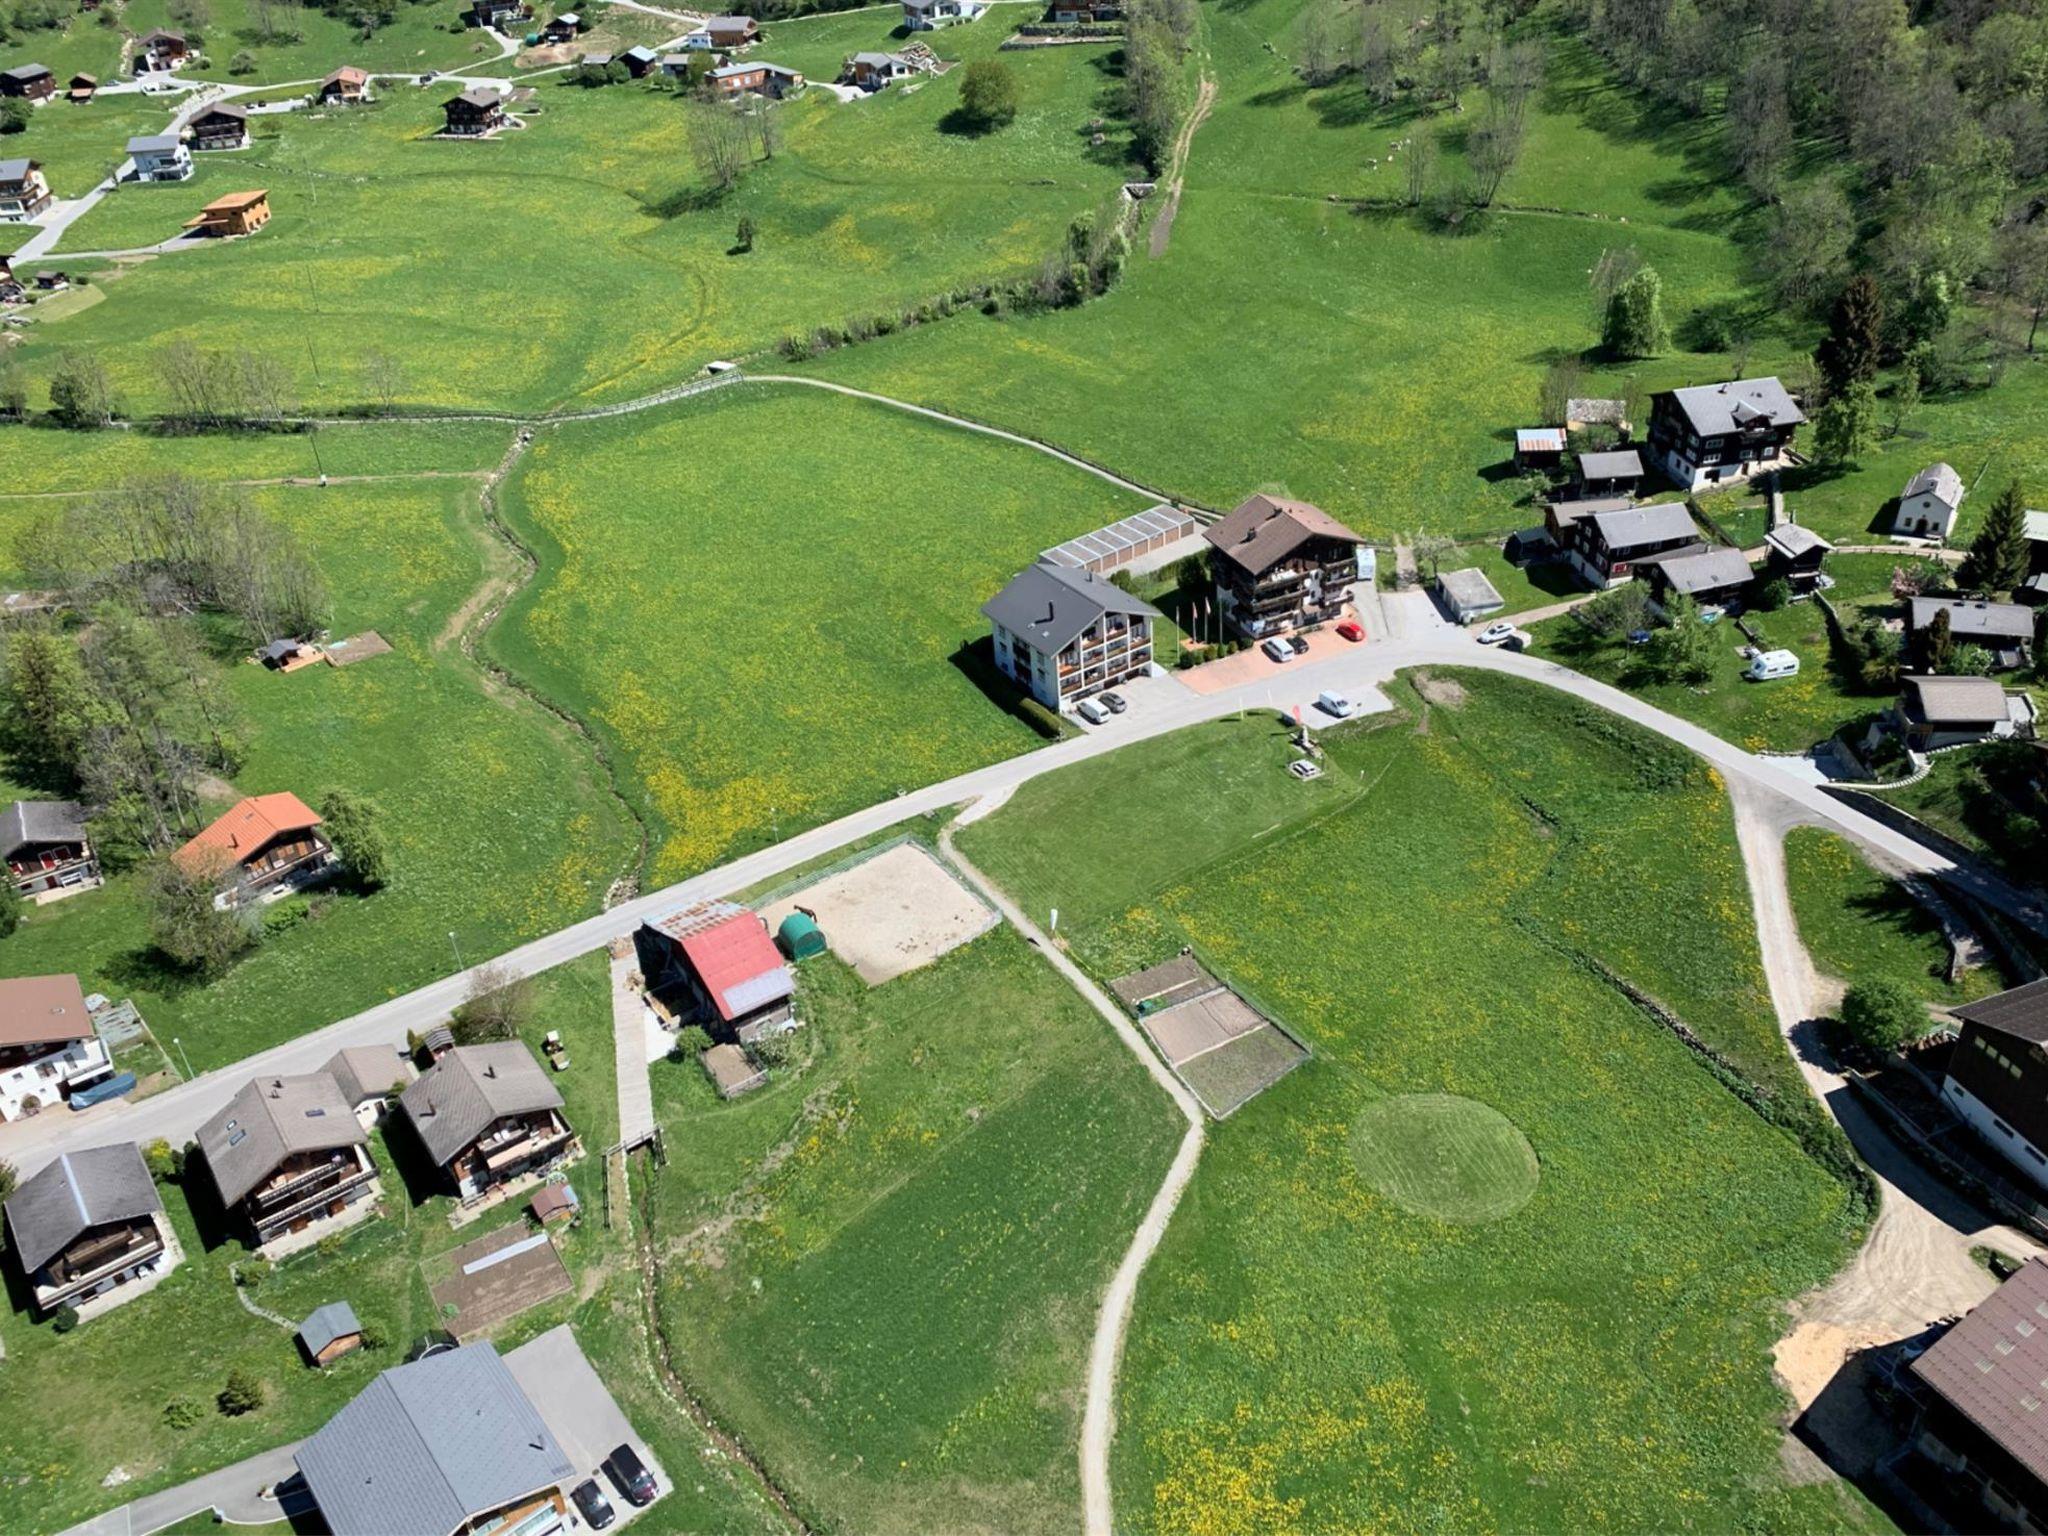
[(1223, 1048), (497, 1277), (890, 913)]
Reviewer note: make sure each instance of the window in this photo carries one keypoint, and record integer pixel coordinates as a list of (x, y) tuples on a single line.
[(2003, 1128), (2037, 1157)]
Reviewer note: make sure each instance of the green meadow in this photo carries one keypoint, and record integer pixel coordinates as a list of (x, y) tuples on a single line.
[(1335, 1334)]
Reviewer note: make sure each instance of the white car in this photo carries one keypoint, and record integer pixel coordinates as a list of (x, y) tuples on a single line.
[(1494, 633), (1091, 711), (1335, 704), (1279, 650)]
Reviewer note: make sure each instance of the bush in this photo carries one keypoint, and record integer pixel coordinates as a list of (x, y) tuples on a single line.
[(1884, 1014), (693, 1039), (65, 1320), (241, 1393), (252, 1272), (13, 115), (1773, 595), (165, 1162), (988, 94), (181, 1413), (775, 1050), (1041, 719)]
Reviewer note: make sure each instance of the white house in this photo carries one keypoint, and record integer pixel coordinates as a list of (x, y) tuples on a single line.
[(1927, 506), (1065, 634), (48, 1047), (160, 157), (925, 15)]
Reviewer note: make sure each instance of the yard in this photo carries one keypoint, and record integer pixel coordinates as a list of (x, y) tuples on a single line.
[(1338, 1331), (764, 601), (885, 1266)]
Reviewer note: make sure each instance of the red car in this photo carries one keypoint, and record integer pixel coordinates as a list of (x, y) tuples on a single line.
[(1351, 629)]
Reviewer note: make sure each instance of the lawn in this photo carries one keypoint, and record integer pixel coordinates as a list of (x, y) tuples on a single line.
[(761, 599), (887, 1263), (79, 146), (1310, 1349), (1861, 925), (500, 828), (866, 208)]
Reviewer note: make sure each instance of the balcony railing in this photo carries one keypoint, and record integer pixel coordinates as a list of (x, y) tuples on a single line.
[(338, 1170)]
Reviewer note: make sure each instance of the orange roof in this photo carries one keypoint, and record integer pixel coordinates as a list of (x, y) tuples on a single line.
[(236, 200), (245, 829), (43, 1010)]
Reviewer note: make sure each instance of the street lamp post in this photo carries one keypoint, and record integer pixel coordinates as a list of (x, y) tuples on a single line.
[(179, 1046), (455, 949)]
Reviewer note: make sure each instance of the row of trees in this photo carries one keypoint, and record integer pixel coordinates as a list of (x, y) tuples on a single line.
[(1157, 37)]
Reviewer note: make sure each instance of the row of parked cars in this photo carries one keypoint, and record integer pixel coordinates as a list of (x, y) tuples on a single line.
[(629, 1475)]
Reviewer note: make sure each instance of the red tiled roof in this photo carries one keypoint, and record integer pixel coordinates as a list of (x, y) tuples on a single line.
[(729, 954), (246, 828)]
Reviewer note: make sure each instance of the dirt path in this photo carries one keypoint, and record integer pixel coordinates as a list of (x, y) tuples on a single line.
[(1105, 1353), (1183, 142)]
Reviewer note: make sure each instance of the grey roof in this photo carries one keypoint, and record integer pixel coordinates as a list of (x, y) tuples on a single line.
[(77, 1192), (29, 822), (1048, 606), (1990, 1367), (1644, 525), (336, 1320), (1708, 571), (1570, 511), (16, 170), (1956, 700), (225, 109), (1716, 409), (468, 1090), (640, 54), (153, 144), (2021, 1012), (427, 1446), (365, 1072), (269, 1120), (1971, 620), (1942, 480), (1622, 464), (881, 60), (1795, 539), (28, 72), (600, 60), (1469, 591), (482, 96), (2034, 527), (1164, 521)]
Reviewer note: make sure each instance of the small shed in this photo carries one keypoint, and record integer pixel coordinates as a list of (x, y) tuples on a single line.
[(331, 1332), (731, 1070), (556, 1205), (800, 936), (1468, 595), (278, 652)]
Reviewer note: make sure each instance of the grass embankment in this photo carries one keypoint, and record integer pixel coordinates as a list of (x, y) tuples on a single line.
[(884, 1268), (1310, 1349), (762, 598), (499, 824)]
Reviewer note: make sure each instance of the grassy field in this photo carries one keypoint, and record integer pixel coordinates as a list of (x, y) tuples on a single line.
[(761, 598), (887, 1263), (499, 828), (1309, 1352), (78, 1406), (1861, 925)]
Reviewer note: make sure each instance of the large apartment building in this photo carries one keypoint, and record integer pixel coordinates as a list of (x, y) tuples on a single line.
[(1282, 565), (1063, 634)]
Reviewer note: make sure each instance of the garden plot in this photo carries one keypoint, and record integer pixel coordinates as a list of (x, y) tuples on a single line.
[(1223, 1048), (500, 1276), (892, 912)]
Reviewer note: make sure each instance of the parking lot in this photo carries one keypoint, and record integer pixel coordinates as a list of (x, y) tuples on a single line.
[(582, 1415)]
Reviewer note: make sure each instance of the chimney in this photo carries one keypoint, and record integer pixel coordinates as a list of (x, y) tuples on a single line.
[(491, 1071), (1048, 614)]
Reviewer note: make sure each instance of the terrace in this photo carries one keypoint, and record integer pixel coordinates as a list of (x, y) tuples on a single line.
[(96, 1258), (307, 1180)]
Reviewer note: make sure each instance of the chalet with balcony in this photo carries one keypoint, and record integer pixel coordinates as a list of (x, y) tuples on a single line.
[(28, 82), (486, 1115), (1952, 711), (2006, 630), (1929, 503), (731, 31), (714, 963), (87, 1229), (1064, 634), (477, 112), (263, 847), (751, 79), (232, 215), (928, 15), (47, 848), (1605, 548), (447, 1445), (48, 1047), (290, 1161), (344, 87), (876, 71), (1616, 473), (1997, 1078), (1796, 555), (161, 49), (160, 157), (1281, 565), (1071, 11), (220, 127), (24, 190), (501, 14), (1716, 434)]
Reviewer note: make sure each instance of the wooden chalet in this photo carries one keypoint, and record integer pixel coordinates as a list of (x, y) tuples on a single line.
[(1281, 565), (264, 844), (220, 127), (238, 213), (477, 112), (28, 82)]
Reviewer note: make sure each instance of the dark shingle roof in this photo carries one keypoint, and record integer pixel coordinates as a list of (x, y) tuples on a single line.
[(1795, 539), (2021, 1012), (464, 1093), (1969, 619), (1049, 605), (1955, 700), (1991, 1367), (1622, 464), (1264, 530), (1644, 525), (269, 1120), (336, 1320), (1717, 409), (365, 1072), (428, 1446), (77, 1192), (28, 823), (1942, 480), (1708, 571)]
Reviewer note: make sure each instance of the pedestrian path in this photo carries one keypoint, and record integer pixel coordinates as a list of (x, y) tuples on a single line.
[(629, 1051)]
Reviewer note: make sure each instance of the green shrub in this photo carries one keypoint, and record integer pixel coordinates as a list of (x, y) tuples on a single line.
[(181, 1413), (65, 1320), (252, 1272), (693, 1040), (1040, 719), (241, 1393), (1884, 1014)]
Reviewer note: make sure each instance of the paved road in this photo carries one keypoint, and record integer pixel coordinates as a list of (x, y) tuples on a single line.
[(237, 1491), (1418, 641)]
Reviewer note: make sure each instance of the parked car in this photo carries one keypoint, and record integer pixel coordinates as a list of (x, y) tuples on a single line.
[(1297, 645), (1278, 649), (592, 1505), (1639, 637), (1496, 632), (1331, 703), (1091, 711), (1114, 703), (630, 1473), (1351, 630)]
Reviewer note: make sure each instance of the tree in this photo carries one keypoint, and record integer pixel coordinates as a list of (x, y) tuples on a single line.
[(242, 1393), (1430, 550), (185, 924), (80, 394), (743, 237), (354, 825), (1683, 650), (11, 904), (1997, 561), (1614, 268), (1905, 398), (1152, 84), (500, 1005), (1938, 645), (14, 115), (1563, 382), (1635, 318), (1846, 427), (383, 378), (1759, 117), (1772, 596), (1848, 354), (49, 709), (1421, 166), (988, 94), (1494, 147), (9, 1180), (1884, 1014), (243, 63), (163, 1160), (13, 391), (1811, 232), (1317, 55), (1619, 611), (718, 144), (692, 1040)]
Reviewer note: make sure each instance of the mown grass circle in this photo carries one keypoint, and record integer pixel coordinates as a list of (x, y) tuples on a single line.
[(1440, 1155)]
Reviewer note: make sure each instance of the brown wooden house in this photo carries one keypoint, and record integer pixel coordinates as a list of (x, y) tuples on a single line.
[(1281, 565), (83, 87), (221, 127), (345, 85), (731, 31), (47, 847), (87, 1225), (486, 1115), (238, 213), (261, 844), (290, 1161), (24, 190), (478, 111), (28, 82), (162, 49)]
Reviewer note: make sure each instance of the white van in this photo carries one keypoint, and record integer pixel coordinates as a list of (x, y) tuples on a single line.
[(1766, 665), (1278, 650), (1334, 704), (1091, 711)]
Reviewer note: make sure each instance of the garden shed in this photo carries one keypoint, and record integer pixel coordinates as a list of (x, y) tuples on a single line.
[(800, 936), (331, 1332)]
